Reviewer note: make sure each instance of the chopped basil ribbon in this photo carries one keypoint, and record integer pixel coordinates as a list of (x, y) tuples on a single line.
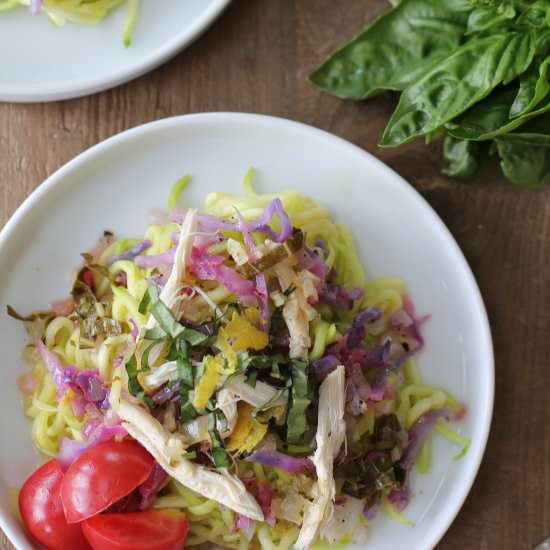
[(219, 454), (299, 402)]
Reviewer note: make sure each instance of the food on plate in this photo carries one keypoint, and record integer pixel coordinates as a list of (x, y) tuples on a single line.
[(230, 378), (473, 71), (79, 11)]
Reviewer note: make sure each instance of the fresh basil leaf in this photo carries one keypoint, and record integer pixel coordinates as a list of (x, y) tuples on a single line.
[(534, 86), (490, 17), (150, 297), (462, 157), (526, 138), (396, 49), (535, 14), (523, 163), (534, 132), (185, 372), (490, 118), (455, 84)]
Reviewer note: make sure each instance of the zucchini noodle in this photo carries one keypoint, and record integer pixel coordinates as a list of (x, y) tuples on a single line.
[(88, 12)]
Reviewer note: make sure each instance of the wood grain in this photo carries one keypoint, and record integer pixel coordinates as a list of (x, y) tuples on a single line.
[(255, 58)]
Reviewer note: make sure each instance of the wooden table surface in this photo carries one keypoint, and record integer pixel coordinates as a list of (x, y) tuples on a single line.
[(255, 58)]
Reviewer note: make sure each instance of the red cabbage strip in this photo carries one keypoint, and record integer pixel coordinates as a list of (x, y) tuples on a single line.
[(372, 511), (87, 384), (419, 433), (143, 497), (339, 297), (400, 498), (325, 365), (289, 464), (275, 207), (53, 363), (311, 261), (151, 486), (209, 223), (358, 391), (90, 383), (356, 333), (263, 493), (244, 228), (167, 258), (212, 268), (132, 253), (167, 393)]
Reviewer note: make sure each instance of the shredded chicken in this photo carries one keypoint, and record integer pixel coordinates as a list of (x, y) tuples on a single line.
[(218, 485), (160, 375), (237, 252), (170, 291), (290, 508), (258, 396), (171, 447), (197, 430), (344, 521), (297, 312), (331, 432)]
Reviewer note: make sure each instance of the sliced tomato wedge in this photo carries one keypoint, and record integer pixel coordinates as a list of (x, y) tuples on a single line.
[(151, 530), (42, 511), (102, 475)]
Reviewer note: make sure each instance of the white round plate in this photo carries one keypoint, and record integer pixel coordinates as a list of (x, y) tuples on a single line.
[(42, 62), (116, 183)]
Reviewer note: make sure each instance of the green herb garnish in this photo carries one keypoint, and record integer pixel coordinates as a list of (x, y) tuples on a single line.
[(299, 401), (219, 454), (472, 71)]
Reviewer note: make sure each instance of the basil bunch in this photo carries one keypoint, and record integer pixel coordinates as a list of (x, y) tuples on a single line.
[(476, 72)]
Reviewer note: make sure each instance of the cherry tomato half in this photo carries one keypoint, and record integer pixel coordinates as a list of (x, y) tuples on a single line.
[(102, 475), (151, 530), (42, 511)]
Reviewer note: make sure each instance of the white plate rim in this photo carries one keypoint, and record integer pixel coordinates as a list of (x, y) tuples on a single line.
[(486, 354), (79, 88)]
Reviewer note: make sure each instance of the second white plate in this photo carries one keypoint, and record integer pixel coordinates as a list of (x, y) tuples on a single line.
[(41, 62)]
